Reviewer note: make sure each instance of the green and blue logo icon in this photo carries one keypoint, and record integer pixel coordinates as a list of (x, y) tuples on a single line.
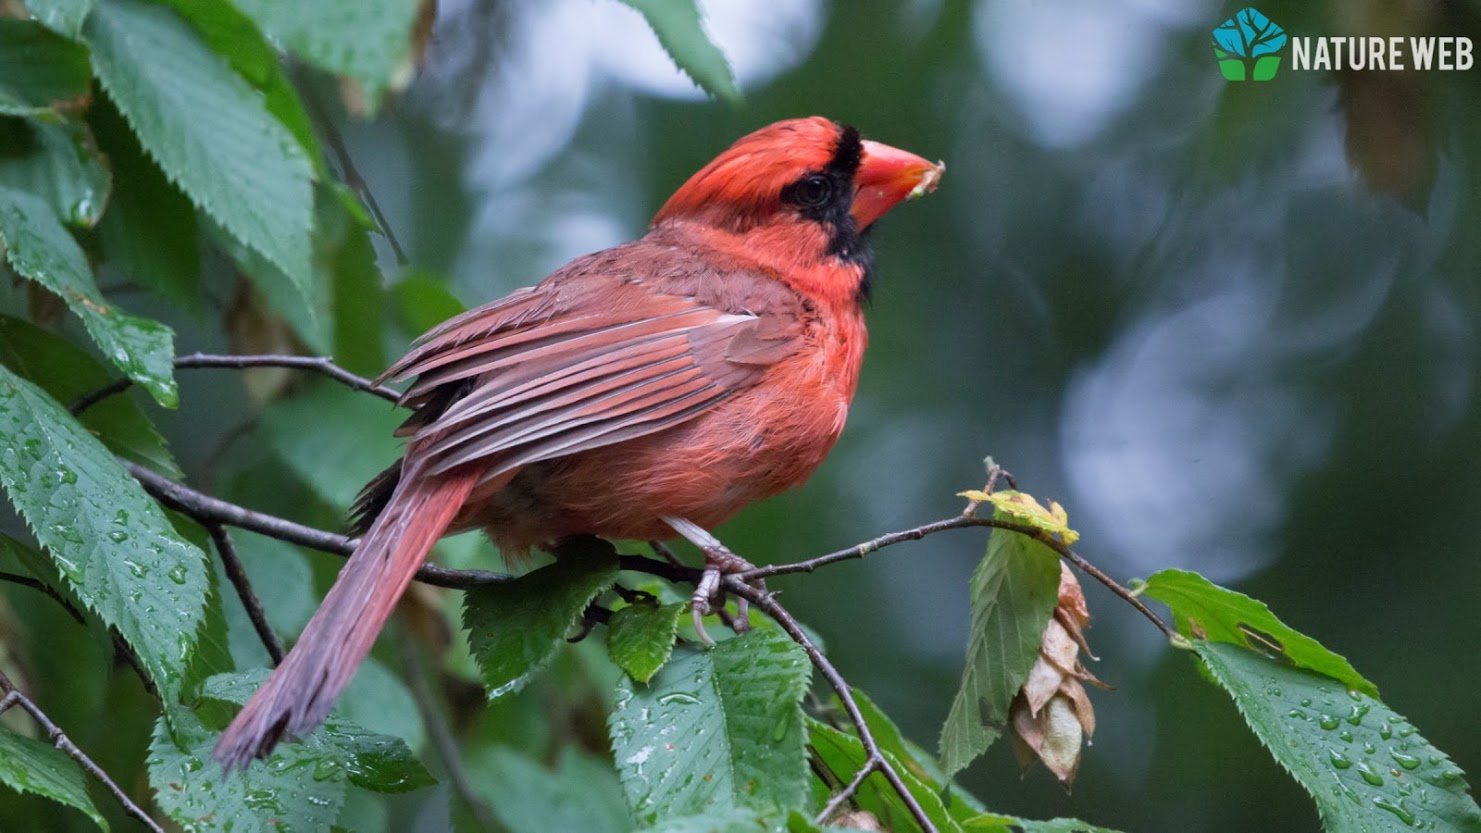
[(1248, 46)]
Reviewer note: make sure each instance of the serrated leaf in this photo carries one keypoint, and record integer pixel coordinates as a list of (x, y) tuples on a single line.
[(715, 730), (514, 628), (299, 788), (367, 40), (235, 37), (341, 748), (40, 71), (59, 162), (1204, 610), (1366, 766), (640, 637), (581, 793), (844, 755), (31, 766), (681, 32), (66, 372), (64, 16), (335, 457), (208, 129), (111, 542), (1014, 591), (39, 248)]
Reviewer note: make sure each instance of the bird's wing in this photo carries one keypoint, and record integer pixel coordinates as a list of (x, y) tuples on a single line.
[(577, 364)]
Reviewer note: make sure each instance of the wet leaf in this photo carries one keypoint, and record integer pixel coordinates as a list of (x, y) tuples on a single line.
[(31, 766), (111, 542), (39, 70), (1366, 766), (39, 248), (715, 730), (59, 162)]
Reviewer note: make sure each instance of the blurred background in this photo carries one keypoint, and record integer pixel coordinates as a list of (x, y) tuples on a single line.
[(1232, 327)]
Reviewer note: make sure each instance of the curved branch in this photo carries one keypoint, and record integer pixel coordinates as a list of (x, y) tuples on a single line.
[(210, 510), (15, 697), (317, 364)]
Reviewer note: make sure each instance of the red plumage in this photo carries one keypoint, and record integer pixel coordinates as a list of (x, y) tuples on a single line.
[(682, 377)]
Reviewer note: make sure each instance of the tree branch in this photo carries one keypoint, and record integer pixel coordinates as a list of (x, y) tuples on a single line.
[(237, 574), (15, 697), (317, 364), (210, 510)]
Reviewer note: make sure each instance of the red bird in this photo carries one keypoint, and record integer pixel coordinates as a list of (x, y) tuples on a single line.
[(650, 389)]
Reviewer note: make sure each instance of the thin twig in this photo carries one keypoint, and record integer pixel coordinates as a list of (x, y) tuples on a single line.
[(318, 364), (14, 696), (237, 574), (44, 588), (443, 742), (962, 522), (874, 759), (208, 510)]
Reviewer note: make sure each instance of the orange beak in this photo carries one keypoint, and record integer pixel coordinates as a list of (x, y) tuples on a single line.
[(888, 176)]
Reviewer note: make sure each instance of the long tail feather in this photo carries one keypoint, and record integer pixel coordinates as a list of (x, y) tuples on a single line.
[(300, 692)]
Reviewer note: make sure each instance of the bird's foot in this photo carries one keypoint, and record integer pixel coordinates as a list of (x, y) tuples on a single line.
[(709, 595)]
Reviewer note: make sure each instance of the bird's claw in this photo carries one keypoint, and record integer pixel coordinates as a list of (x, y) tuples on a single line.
[(709, 592)]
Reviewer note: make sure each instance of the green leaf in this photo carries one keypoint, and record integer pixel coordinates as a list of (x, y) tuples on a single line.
[(63, 16), (40, 71), (310, 321), (66, 372), (59, 162), (341, 747), (39, 248), (1366, 766), (514, 628), (335, 457), (1203, 610), (111, 542), (212, 653), (1014, 590), (234, 160), (284, 584), (149, 234), (1013, 824), (423, 302), (300, 788), (31, 766), (367, 40), (679, 28), (640, 637), (235, 37), (359, 300), (843, 754), (581, 793), (715, 729)]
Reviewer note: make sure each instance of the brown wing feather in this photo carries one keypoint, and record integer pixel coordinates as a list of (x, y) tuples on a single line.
[(586, 359)]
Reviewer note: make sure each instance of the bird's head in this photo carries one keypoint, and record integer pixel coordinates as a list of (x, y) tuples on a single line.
[(800, 197)]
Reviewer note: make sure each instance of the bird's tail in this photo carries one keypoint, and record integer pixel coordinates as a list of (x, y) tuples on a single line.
[(300, 692)]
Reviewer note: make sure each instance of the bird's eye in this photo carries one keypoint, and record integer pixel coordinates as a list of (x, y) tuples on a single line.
[(814, 190)]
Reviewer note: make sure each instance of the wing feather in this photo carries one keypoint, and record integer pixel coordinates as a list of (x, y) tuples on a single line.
[(553, 371)]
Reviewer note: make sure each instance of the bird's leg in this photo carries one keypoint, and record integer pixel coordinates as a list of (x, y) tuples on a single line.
[(719, 560)]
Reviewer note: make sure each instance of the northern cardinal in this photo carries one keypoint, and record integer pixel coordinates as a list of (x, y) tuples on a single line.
[(650, 389)]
